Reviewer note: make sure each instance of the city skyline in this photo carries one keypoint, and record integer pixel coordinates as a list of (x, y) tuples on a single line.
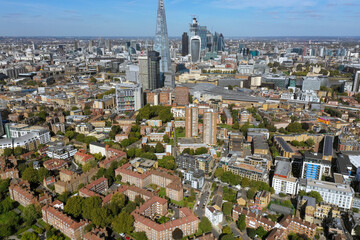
[(137, 18)]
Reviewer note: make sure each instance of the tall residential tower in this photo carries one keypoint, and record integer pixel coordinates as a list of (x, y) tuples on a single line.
[(162, 46)]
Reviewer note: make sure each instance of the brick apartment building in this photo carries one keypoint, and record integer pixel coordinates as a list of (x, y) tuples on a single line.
[(143, 221), (99, 186), (160, 177), (70, 181), (22, 194), (287, 224), (181, 96), (131, 192), (71, 228)]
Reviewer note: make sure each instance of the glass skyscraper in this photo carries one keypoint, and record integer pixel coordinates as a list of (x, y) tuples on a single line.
[(162, 46)]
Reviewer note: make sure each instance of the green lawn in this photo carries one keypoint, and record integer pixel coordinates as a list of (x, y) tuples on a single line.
[(162, 192), (4, 218), (225, 126), (180, 132), (183, 204)]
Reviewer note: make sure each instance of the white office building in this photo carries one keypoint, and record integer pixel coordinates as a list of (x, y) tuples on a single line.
[(283, 181), (14, 130), (340, 195), (195, 178), (215, 216)]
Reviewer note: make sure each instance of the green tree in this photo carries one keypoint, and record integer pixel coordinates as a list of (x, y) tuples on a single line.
[(219, 172), (89, 205), (357, 230), (74, 206), (245, 182), (315, 195), (226, 230), (201, 150), (261, 232), (140, 236), (130, 206), (159, 148), (30, 214), (98, 156), (100, 217), (227, 208), (251, 193), (7, 152), (167, 162), (118, 199), (166, 138), (18, 151), (30, 174), (64, 197), (123, 223), (70, 134), (251, 233), (43, 173), (205, 225), (310, 142), (30, 236), (241, 223), (294, 127), (228, 237), (139, 200)]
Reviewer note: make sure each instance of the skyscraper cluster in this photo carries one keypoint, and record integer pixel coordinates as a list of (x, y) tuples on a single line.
[(198, 39)]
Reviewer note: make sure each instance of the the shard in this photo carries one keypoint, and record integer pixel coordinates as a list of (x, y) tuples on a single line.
[(161, 45)]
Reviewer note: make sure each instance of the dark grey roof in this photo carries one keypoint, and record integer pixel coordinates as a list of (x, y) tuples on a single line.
[(283, 168), (310, 201), (328, 146), (280, 209), (97, 144), (284, 144), (260, 143)]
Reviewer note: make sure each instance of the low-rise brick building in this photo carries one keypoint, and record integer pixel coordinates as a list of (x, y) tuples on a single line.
[(24, 196), (160, 177), (68, 226), (143, 222)]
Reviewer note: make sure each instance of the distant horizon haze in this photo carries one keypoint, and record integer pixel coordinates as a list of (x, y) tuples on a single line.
[(135, 18)]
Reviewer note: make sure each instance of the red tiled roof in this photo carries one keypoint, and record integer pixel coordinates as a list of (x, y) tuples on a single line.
[(72, 223)]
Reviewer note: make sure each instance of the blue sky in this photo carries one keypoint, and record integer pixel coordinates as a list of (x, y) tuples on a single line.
[(137, 17)]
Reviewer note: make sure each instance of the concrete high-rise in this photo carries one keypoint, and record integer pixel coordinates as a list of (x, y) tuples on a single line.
[(129, 97), (195, 48), (149, 71), (194, 28), (161, 45), (210, 127), (181, 96), (192, 121), (185, 44)]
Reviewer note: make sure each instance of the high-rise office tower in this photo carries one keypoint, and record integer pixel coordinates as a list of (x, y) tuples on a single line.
[(149, 71), (108, 44), (194, 28), (221, 43), (356, 82), (76, 45), (185, 44), (195, 48), (192, 121), (91, 45), (161, 45), (210, 41), (210, 124), (203, 35)]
